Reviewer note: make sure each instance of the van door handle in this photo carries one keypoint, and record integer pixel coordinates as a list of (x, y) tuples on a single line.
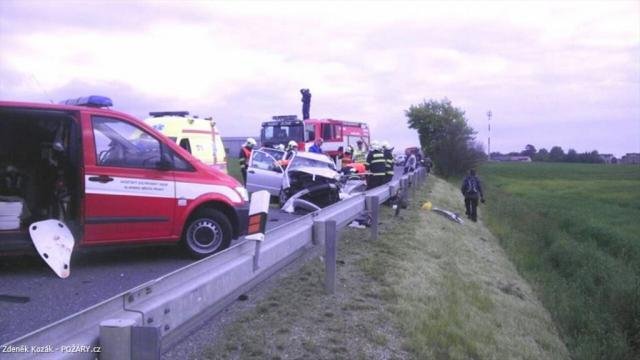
[(101, 179), (251, 172)]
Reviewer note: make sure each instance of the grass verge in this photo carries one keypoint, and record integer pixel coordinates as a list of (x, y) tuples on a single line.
[(428, 288)]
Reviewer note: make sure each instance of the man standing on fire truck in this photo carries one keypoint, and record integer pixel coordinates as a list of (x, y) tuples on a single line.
[(245, 155)]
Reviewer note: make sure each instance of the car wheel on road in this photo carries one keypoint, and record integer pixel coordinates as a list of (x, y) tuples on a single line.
[(207, 232)]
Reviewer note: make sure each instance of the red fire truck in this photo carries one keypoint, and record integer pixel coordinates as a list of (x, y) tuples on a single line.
[(335, 133)]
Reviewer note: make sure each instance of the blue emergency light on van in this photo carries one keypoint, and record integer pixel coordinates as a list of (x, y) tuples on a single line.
[(96, 101)]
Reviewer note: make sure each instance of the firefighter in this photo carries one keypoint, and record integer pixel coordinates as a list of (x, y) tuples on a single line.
[(347, 157), (360, 152), (306, 103), (376, 164), (387, 150), (292, 149), (245, 155)]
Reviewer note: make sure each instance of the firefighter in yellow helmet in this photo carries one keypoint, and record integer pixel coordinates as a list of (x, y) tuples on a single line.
[(376, 164), (387, 150)]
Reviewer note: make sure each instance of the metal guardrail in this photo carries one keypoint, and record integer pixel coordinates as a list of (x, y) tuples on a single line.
[(174, 304)]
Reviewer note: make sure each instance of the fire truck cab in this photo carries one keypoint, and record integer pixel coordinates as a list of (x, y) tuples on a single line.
[(111, 179), (335, 133)]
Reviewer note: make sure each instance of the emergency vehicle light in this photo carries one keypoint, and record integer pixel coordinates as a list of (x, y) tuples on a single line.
[(285, 117), (168, 113), (90, 101)]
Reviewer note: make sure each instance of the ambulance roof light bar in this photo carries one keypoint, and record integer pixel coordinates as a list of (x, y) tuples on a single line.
[(168, 113), (96, 101)]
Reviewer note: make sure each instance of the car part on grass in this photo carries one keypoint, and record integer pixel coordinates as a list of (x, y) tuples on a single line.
[(449, 214), (54, 242)]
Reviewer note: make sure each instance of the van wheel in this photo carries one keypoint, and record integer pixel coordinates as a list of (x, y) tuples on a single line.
[(207, 232)]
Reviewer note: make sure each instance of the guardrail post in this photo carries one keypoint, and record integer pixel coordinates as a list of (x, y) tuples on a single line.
[(373, 207), (393, 190), (256, 256), (318, 232), (414, 185), (405, 190), (330, 255), (115, 339)]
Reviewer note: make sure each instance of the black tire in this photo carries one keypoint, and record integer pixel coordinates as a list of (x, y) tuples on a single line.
[(207, 232)]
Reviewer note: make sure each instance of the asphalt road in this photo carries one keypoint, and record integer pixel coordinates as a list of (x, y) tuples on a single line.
[(32, 296)]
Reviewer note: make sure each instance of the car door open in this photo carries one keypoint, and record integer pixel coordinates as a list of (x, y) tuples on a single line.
[(264, 173)]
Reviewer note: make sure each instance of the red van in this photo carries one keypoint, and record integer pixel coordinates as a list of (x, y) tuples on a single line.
[(110, 179)]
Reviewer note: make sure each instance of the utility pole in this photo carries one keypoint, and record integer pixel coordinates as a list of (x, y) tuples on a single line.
[(489, 136)]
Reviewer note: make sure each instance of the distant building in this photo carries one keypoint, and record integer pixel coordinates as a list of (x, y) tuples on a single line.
[(232, 144), (631, 158), (608, 158), (514, 158)]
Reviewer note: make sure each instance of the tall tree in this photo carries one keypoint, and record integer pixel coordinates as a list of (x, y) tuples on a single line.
[(542, 155), (529, 150), (445, 136), (572, 156), (556, 154)]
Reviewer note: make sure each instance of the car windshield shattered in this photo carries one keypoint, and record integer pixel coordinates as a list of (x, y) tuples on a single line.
[(304, 162)]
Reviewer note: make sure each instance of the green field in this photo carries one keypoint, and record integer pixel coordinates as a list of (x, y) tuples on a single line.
[(573, 230)]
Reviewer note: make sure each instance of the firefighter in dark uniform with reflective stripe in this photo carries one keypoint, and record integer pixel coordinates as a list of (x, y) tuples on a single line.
[(388, 156), (245, 155), (377, 166)]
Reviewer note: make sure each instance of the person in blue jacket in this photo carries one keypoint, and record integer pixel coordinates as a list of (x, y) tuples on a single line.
[(316, 147)]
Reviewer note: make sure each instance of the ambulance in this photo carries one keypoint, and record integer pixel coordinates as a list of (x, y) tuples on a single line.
[(200, 137), (103, 177)]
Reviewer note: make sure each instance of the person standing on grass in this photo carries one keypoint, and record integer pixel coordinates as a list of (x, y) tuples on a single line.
[(472, 191)]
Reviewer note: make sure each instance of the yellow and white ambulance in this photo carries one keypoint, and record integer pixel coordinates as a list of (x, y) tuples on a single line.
[(198, 136)]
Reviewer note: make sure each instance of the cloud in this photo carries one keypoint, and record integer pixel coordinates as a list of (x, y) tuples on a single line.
[(535, 64)]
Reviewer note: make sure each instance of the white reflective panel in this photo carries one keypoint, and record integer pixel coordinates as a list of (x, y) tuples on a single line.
[(54, 243), (259, 204)]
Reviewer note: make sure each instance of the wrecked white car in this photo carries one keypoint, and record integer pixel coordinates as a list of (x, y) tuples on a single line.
[(307, 182)]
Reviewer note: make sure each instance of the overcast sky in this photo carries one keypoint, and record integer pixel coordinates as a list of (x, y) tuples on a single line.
[(553, 73)]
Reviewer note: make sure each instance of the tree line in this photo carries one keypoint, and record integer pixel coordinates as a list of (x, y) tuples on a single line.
[(556, 154)]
